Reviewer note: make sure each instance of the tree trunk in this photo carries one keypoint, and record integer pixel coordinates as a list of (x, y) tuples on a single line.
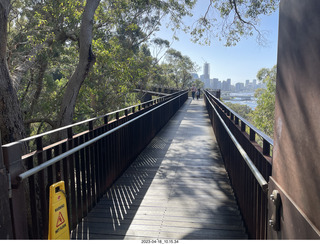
[(86, 61), (43, 63), (11, 121)]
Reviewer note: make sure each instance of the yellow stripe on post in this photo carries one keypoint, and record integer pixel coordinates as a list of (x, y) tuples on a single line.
[(58, 214)]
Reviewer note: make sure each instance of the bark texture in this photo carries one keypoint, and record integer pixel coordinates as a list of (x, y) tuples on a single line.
[(11, 121), (86, 61)]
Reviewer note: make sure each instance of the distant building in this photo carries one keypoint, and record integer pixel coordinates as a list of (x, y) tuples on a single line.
[(216, 83), (206, 70), (254, 82), (195, 76), (205, 78), (226, 85), (239, 87)]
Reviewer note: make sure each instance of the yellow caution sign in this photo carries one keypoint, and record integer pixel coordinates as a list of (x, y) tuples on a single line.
[(58, 214)]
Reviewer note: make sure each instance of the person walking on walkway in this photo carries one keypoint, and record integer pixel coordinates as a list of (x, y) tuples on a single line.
[(193, 90), (198, 93)]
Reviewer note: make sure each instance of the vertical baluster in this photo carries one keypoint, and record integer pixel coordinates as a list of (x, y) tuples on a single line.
[(69, 167), (78, 180), (236, 120), (32, 194), (252, 135), (266, 148), (243, 126), (83, 179), (44, 197)]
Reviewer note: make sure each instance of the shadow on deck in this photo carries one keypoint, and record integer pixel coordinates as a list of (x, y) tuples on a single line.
[(177, 188)]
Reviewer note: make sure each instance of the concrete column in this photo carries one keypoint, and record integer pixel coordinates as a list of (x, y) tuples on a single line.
[(296, 154)]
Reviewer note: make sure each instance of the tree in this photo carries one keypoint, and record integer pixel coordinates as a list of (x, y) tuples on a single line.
[(180, 68), (231, 20), (86, 62), (198, 83), (263, 115), (52, 48), (11, 124), (52, 29), (243, 110)]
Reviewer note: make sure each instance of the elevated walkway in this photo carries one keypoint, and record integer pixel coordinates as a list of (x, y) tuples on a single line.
[(177, 188)]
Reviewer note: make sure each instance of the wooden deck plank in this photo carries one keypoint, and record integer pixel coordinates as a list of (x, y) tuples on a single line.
[(177, 188)]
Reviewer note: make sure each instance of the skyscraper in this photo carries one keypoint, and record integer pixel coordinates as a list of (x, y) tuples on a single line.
[(206, 70), (205, 78)]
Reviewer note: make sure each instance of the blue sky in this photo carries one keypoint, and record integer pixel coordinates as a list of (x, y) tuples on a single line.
[(240, 62)]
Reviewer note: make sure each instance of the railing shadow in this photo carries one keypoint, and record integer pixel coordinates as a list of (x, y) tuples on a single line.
[(202, 187), (113, 215), (126, 213)]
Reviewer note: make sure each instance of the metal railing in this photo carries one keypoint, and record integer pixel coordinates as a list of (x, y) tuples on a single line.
[(248, 165), (89, 162)]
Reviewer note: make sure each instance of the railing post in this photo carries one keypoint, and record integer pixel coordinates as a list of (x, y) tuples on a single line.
[(106, 119), (5, 220), (90, 125), (243, 126), (69, 133), (12, 158), (236, 120), (252, 135), (266, 148)]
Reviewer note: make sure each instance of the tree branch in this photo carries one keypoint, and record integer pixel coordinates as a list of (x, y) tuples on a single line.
[(234, 4), (40, 120), (205, 16)]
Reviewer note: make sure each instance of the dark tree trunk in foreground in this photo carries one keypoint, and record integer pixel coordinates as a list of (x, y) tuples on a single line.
[(11, 121)]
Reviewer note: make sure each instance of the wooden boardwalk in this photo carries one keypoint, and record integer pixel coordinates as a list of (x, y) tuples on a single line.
[(176, 189)]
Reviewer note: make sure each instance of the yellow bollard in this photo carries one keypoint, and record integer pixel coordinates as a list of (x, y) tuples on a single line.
[(58, 214)]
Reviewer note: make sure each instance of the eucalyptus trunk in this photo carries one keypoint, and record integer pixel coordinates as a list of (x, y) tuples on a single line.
[(86, 61), (11, 121)]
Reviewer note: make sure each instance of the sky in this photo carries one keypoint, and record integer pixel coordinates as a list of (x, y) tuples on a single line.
[(239, 63)]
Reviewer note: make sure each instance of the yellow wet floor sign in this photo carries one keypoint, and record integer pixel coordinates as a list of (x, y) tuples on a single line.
[(58, 215)]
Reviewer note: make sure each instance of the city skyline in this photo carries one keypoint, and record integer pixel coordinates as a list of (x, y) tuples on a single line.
[(205, 76), (226, 85)]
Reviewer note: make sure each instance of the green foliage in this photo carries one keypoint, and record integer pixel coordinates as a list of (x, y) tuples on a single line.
[(179, 68), (43, 52), (198, 83), (263, 115), (243, 110), (231, 20)]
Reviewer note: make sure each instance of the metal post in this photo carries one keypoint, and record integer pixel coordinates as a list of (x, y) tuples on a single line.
[(12, 155), (5, 220)]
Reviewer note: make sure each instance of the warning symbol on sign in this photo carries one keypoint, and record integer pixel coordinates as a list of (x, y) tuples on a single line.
[(58, 214), (60, 220)]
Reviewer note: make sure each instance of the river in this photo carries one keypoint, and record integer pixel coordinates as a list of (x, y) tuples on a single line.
[(251, 103)]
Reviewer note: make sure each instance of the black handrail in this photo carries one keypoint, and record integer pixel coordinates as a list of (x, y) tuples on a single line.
[(88, 162), (248, 165), (267, 141), (50, 162), (256, 173), (93, 119)]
